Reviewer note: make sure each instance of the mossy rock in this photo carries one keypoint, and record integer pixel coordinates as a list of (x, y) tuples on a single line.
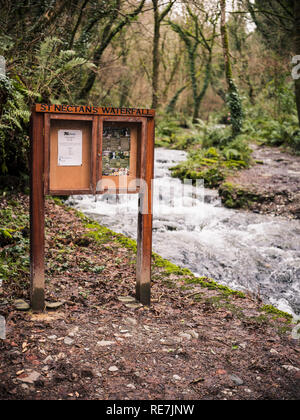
[(212, 176), (235, 197)]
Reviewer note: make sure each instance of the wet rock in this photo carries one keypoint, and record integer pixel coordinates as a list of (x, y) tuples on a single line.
[(133, 305), (68, 341), (126, 299), (104, 343), (52, 337), (53, 305), (2, 328), (237, 381), (21, 305)]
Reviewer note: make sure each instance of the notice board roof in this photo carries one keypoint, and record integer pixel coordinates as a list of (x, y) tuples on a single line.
[(95, 110)]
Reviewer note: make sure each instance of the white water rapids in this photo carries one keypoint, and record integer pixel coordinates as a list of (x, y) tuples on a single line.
[(243, 250)]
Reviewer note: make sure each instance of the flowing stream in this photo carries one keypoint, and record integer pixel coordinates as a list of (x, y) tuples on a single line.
[(243, 250)]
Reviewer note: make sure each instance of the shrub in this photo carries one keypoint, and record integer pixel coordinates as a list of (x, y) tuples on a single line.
[(14, 119)]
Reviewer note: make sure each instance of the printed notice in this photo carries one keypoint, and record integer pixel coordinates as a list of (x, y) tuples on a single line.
[(116, 151), (69, 147)]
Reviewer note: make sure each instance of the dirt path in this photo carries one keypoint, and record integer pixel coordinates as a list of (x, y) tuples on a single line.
[(275, 179), (194, 342)]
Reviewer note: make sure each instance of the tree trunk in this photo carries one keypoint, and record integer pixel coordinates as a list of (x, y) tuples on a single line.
[(125, 81), (192, 66), (155, 58), (225, 43), (171, 106), (233, 100), (206, 83), (158, 18), (113, 27), (71, 42), (297, 50)]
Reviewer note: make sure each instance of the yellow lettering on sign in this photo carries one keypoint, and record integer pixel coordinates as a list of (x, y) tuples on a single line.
[(94, 110)]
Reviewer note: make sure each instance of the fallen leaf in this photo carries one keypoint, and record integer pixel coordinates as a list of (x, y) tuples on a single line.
[(20, 372), (221, 372)]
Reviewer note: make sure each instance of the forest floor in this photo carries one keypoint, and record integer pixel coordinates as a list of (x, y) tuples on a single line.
[(197, 340), (272, 182)]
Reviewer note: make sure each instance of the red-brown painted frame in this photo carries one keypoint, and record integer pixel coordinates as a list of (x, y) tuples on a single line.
[(40, 163)]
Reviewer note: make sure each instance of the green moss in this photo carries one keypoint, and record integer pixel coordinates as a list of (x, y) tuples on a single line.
[(57, 200), (212, 176), (212, 285), (169, 267), (212, 152), (269, 309), (233, 196)]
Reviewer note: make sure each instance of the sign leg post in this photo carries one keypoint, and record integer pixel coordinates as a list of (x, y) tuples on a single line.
[(144, 234), (144, 251), (37, 216)]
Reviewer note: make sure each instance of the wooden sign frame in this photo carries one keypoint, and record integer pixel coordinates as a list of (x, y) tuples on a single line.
[(48, 177)]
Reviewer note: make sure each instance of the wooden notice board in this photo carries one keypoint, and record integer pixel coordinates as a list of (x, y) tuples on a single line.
[(91, 150)]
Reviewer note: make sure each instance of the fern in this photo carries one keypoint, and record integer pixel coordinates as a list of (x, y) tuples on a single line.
[(14, 118), (56, 75)]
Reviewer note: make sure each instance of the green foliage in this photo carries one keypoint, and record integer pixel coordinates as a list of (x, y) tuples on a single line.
[(274, 133), (236, 111), (213, 153), (166, 127), (273, 19), (273, 120), (14, 243), (215, 135), (57, 72), (52, 78), (235, 197), (272, 124), (14, 119), (190, 169), (171, 134)]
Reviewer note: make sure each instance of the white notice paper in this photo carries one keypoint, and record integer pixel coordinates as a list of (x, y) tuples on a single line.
[(69, 147)]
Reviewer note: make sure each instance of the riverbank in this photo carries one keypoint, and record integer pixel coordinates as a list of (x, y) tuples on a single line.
[(270, 186), (197, 340), (248, 171)]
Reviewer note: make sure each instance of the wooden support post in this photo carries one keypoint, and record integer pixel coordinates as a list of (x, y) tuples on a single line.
[(144, 234), (37, 214)]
